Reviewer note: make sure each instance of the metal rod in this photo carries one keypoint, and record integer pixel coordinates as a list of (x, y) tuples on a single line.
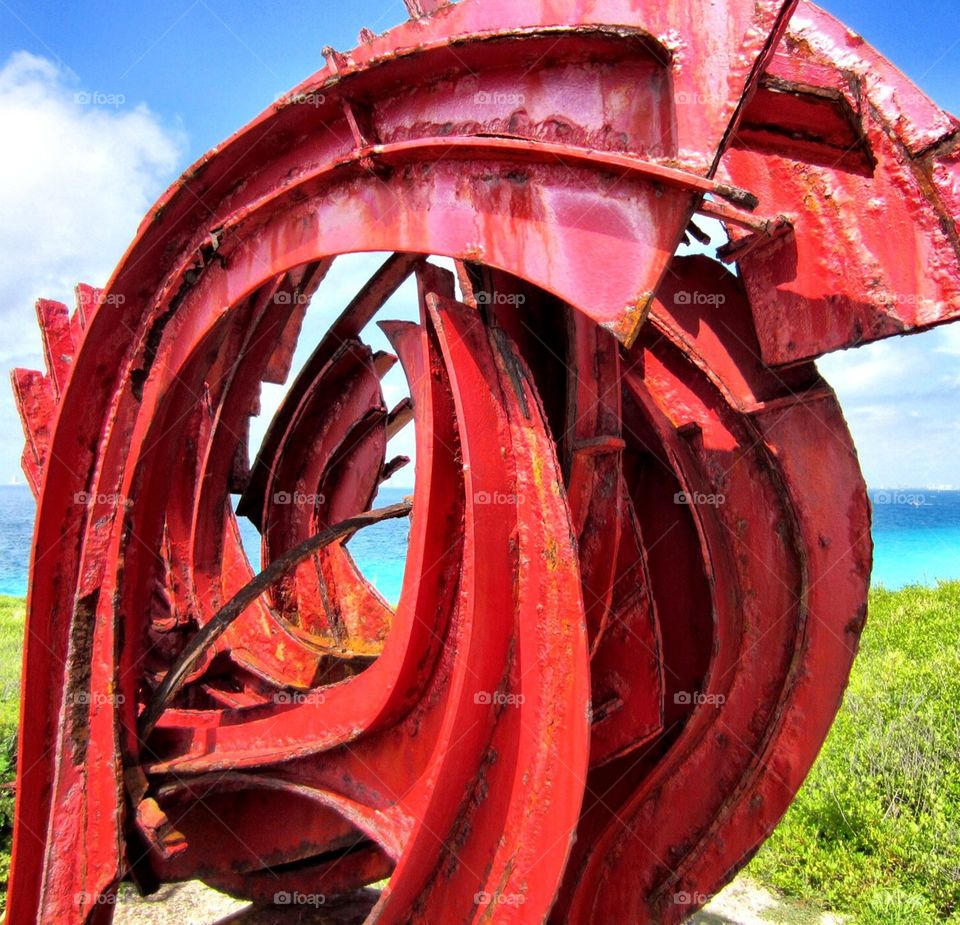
[(222, 619)]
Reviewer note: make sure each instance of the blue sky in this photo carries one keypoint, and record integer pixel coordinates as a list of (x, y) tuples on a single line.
[(175, 78)]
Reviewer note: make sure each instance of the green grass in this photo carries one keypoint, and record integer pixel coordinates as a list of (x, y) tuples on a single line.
[(12, 616), (875, 830)]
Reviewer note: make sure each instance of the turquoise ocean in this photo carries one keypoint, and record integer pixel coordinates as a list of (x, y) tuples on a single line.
[(916, 534)]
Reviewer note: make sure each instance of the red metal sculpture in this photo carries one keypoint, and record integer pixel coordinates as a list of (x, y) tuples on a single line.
[(598, 693)]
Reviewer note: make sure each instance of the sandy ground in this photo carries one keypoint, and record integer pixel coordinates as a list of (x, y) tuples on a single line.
[(747, 903), (742, 903)]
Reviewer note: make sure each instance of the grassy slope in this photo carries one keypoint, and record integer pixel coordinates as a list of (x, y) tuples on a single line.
[(12, 615), (875, 831)]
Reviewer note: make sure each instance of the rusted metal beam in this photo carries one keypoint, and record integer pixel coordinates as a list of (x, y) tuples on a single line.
[(218, 624), (639, 542)]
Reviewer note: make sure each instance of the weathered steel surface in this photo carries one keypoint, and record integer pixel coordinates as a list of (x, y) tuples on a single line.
[(639, 539), (867, 170)]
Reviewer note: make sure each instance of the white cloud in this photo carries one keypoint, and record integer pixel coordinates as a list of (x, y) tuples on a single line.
[(346, 277), (861, 372), (899, 397), (78, 171), (950, 340)]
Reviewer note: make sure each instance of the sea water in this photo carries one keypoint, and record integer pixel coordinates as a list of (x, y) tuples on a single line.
[(916, 534)]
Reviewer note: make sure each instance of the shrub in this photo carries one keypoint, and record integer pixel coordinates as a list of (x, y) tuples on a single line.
[(12, 619), (875, 830)]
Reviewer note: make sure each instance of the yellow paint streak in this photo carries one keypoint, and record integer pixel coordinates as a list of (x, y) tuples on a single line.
[(627, 327)]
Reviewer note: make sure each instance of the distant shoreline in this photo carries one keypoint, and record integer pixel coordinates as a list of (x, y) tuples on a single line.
[(916, 533)]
